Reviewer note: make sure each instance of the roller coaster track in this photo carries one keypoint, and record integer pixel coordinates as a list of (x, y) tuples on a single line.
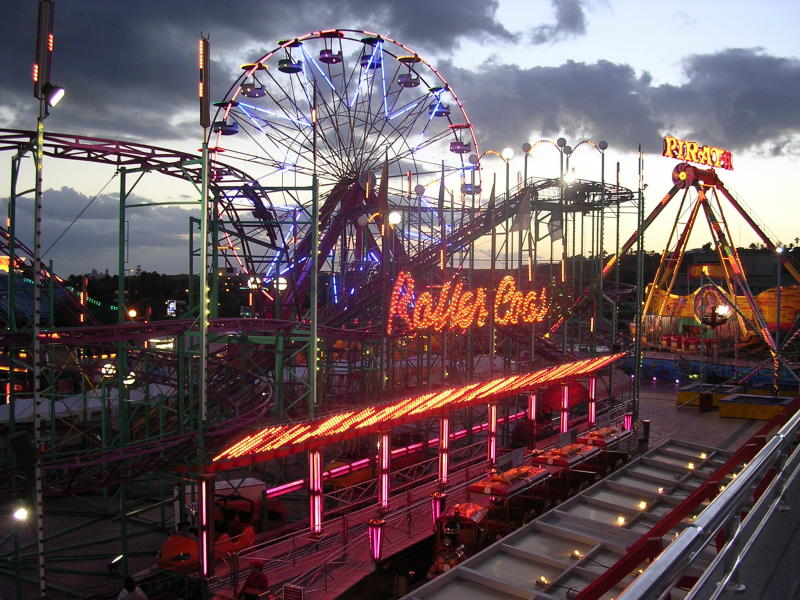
[(230, 185), (72, 304)]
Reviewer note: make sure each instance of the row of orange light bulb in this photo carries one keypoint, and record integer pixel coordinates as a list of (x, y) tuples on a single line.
[(277, 436)]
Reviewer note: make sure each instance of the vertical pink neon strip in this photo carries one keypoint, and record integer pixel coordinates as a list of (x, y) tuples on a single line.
[(592, 401), (444, 449), (627, 423), (315, 490), (564, 408), (532, 409), (491, 449), (383, 487), (204, 518), (375, 532)]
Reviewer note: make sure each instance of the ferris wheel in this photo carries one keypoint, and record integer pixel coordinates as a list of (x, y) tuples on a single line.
[(353, 108)]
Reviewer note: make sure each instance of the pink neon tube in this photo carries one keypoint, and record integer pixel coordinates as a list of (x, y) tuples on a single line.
[(492, 437), (204, 520), (564, 408), (362, 463), (444, 449), (383, 484), (315, 490)]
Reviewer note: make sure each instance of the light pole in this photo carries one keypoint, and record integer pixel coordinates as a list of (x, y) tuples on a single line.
[(779, 255), (20, 515), (474, 161), (597, 233), (507, 154), (49, 95), (564, 150)]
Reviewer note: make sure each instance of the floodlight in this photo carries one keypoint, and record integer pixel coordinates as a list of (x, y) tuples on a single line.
[(52, 93)]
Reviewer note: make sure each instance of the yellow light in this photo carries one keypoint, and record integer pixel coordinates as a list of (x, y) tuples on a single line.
[(703, 455), (132, 313), (690, 466), (620, 520), (642, 505), (576, 554), (661, 490), (542, 581)]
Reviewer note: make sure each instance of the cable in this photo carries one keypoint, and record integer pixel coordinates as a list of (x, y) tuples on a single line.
[(85, 208)]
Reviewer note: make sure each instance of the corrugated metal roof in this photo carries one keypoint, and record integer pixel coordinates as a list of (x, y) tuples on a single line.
[(560, 553)]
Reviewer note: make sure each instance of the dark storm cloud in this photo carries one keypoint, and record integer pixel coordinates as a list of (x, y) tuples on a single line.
[(157, 236), (740, 98), (436, 25), (570, 22), (601, 101), (130, 70)]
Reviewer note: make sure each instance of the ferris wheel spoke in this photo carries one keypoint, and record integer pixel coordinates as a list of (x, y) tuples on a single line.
[(291, 100)]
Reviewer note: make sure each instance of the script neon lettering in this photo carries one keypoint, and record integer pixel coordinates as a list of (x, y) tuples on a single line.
[(456, 309)]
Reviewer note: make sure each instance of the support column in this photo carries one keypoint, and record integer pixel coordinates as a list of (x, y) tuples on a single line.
[(491, 439), (564, 408), (315, 491), (444, 449), (532, 408), (384, 459), (592, 401)]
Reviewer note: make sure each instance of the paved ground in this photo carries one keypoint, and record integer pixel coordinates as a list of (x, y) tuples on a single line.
[(657, 403)]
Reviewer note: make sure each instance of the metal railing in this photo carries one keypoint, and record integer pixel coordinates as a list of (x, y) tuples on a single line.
[(723, 514)]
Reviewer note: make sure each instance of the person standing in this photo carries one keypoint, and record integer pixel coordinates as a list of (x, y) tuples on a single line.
[(131, 591), (256, 583)]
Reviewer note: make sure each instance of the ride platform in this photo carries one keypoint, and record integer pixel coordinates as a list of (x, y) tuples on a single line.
[(690, 395), (752, 406)]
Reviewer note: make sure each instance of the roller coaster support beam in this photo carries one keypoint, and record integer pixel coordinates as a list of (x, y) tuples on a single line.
[(641, 226), (609, 267)]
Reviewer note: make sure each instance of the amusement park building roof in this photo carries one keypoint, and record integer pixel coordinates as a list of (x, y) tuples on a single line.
[(282, 440)]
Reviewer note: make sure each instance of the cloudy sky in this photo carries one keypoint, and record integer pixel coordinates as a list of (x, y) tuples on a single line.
[(627, 71)]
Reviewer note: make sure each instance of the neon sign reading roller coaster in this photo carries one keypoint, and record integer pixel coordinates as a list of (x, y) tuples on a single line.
[(457, 309)]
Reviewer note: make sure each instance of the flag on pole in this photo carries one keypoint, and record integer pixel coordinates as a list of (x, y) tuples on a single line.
[(490, 206), (522, 220), (555, 227)]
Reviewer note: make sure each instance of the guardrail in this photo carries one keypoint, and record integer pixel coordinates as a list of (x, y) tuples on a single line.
[(780, 456)]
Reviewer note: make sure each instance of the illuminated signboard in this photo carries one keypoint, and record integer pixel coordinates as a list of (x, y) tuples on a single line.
[(453, 308), (710, 156)]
